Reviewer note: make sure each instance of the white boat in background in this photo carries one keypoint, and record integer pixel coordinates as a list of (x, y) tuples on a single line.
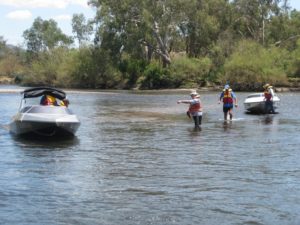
[(43, 120), (255, 103)]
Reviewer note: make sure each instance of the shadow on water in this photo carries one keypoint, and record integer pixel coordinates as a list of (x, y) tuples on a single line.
[(36, 141), (265, 117), (260, 113)]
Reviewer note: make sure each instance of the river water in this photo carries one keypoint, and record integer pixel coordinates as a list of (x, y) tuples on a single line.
[(136, 159)]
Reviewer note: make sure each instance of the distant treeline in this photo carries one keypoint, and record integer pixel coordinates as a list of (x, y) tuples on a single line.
[(150, 44)]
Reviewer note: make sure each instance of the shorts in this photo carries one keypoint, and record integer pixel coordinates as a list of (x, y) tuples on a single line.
[(227, 108)]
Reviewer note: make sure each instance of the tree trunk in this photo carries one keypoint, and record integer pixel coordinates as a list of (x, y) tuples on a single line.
[(162, 51)]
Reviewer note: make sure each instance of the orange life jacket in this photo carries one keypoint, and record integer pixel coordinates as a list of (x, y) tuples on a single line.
[(268, 95), (195, 107), (49, 100), (227, 98)]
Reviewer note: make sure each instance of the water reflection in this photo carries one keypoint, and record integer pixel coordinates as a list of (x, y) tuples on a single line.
[(195, 131), (227, 124), (268, 119)]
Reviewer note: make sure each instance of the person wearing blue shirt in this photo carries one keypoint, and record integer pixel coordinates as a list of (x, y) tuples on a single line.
[(229, 99)]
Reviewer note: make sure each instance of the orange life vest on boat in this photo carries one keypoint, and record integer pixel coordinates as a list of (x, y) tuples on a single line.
[(48, 100), (227, 98)]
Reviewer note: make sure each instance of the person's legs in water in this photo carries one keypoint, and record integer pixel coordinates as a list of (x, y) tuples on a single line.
[(269, 107), (197, 120), (266, 107), (267, 110), (230, 113), (225, 110)]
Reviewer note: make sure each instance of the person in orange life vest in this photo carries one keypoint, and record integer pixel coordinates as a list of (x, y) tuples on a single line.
[(269, 94), (195, 108), (48, 100), (229, 98)]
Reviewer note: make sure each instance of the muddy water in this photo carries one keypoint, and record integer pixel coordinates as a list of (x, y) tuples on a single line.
[(136, 159)]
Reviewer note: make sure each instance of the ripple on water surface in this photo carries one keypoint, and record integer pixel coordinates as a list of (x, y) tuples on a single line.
[(136, 159)]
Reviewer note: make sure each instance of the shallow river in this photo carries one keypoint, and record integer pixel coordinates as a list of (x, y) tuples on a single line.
[(136, 159)]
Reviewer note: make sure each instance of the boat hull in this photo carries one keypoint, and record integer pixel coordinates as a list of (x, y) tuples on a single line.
[(258, 107), (44, 124), (255, 103), (46, 129)]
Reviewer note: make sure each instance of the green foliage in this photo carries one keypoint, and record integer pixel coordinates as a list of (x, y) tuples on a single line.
[(155, 77), (11, 60), (44, 70), (131, 70), (283, 30), (92, 68), (84, 67), (2, 45), (203, 25), (294, 62), (10, 66), (44, 35), (190, 71), (81, 28), (251, 63)]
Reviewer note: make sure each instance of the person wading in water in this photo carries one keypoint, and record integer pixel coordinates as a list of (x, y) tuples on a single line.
[(269, 94), (195, 108), (229, 98)]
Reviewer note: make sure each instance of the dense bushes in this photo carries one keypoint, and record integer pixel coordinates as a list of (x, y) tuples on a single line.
[(81, 68), (155, 77), (293, 70), (251, 64), (247, 68)]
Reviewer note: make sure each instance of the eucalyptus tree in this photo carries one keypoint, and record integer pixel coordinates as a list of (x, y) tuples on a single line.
[(45, 35), (81, 27), (284, 30), (142, 28), (202, 24), (2, 46), (252, 17), (2, 42)]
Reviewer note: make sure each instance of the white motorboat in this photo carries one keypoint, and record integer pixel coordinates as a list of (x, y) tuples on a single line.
[(44, 120), (255, 103)]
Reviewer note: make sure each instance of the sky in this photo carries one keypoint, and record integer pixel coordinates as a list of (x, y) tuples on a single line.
[(16, 16)]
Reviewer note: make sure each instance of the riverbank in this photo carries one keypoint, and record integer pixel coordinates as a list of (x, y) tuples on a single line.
[(11, 88)]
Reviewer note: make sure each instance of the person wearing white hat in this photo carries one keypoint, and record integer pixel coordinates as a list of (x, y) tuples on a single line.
[(229, 98), (195, 108), (269, 94)]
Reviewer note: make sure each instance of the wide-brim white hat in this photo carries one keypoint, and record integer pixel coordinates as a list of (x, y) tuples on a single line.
[(194, 93)]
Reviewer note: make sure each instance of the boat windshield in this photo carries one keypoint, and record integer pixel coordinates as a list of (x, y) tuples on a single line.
[(255, 96), (47, 110)]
